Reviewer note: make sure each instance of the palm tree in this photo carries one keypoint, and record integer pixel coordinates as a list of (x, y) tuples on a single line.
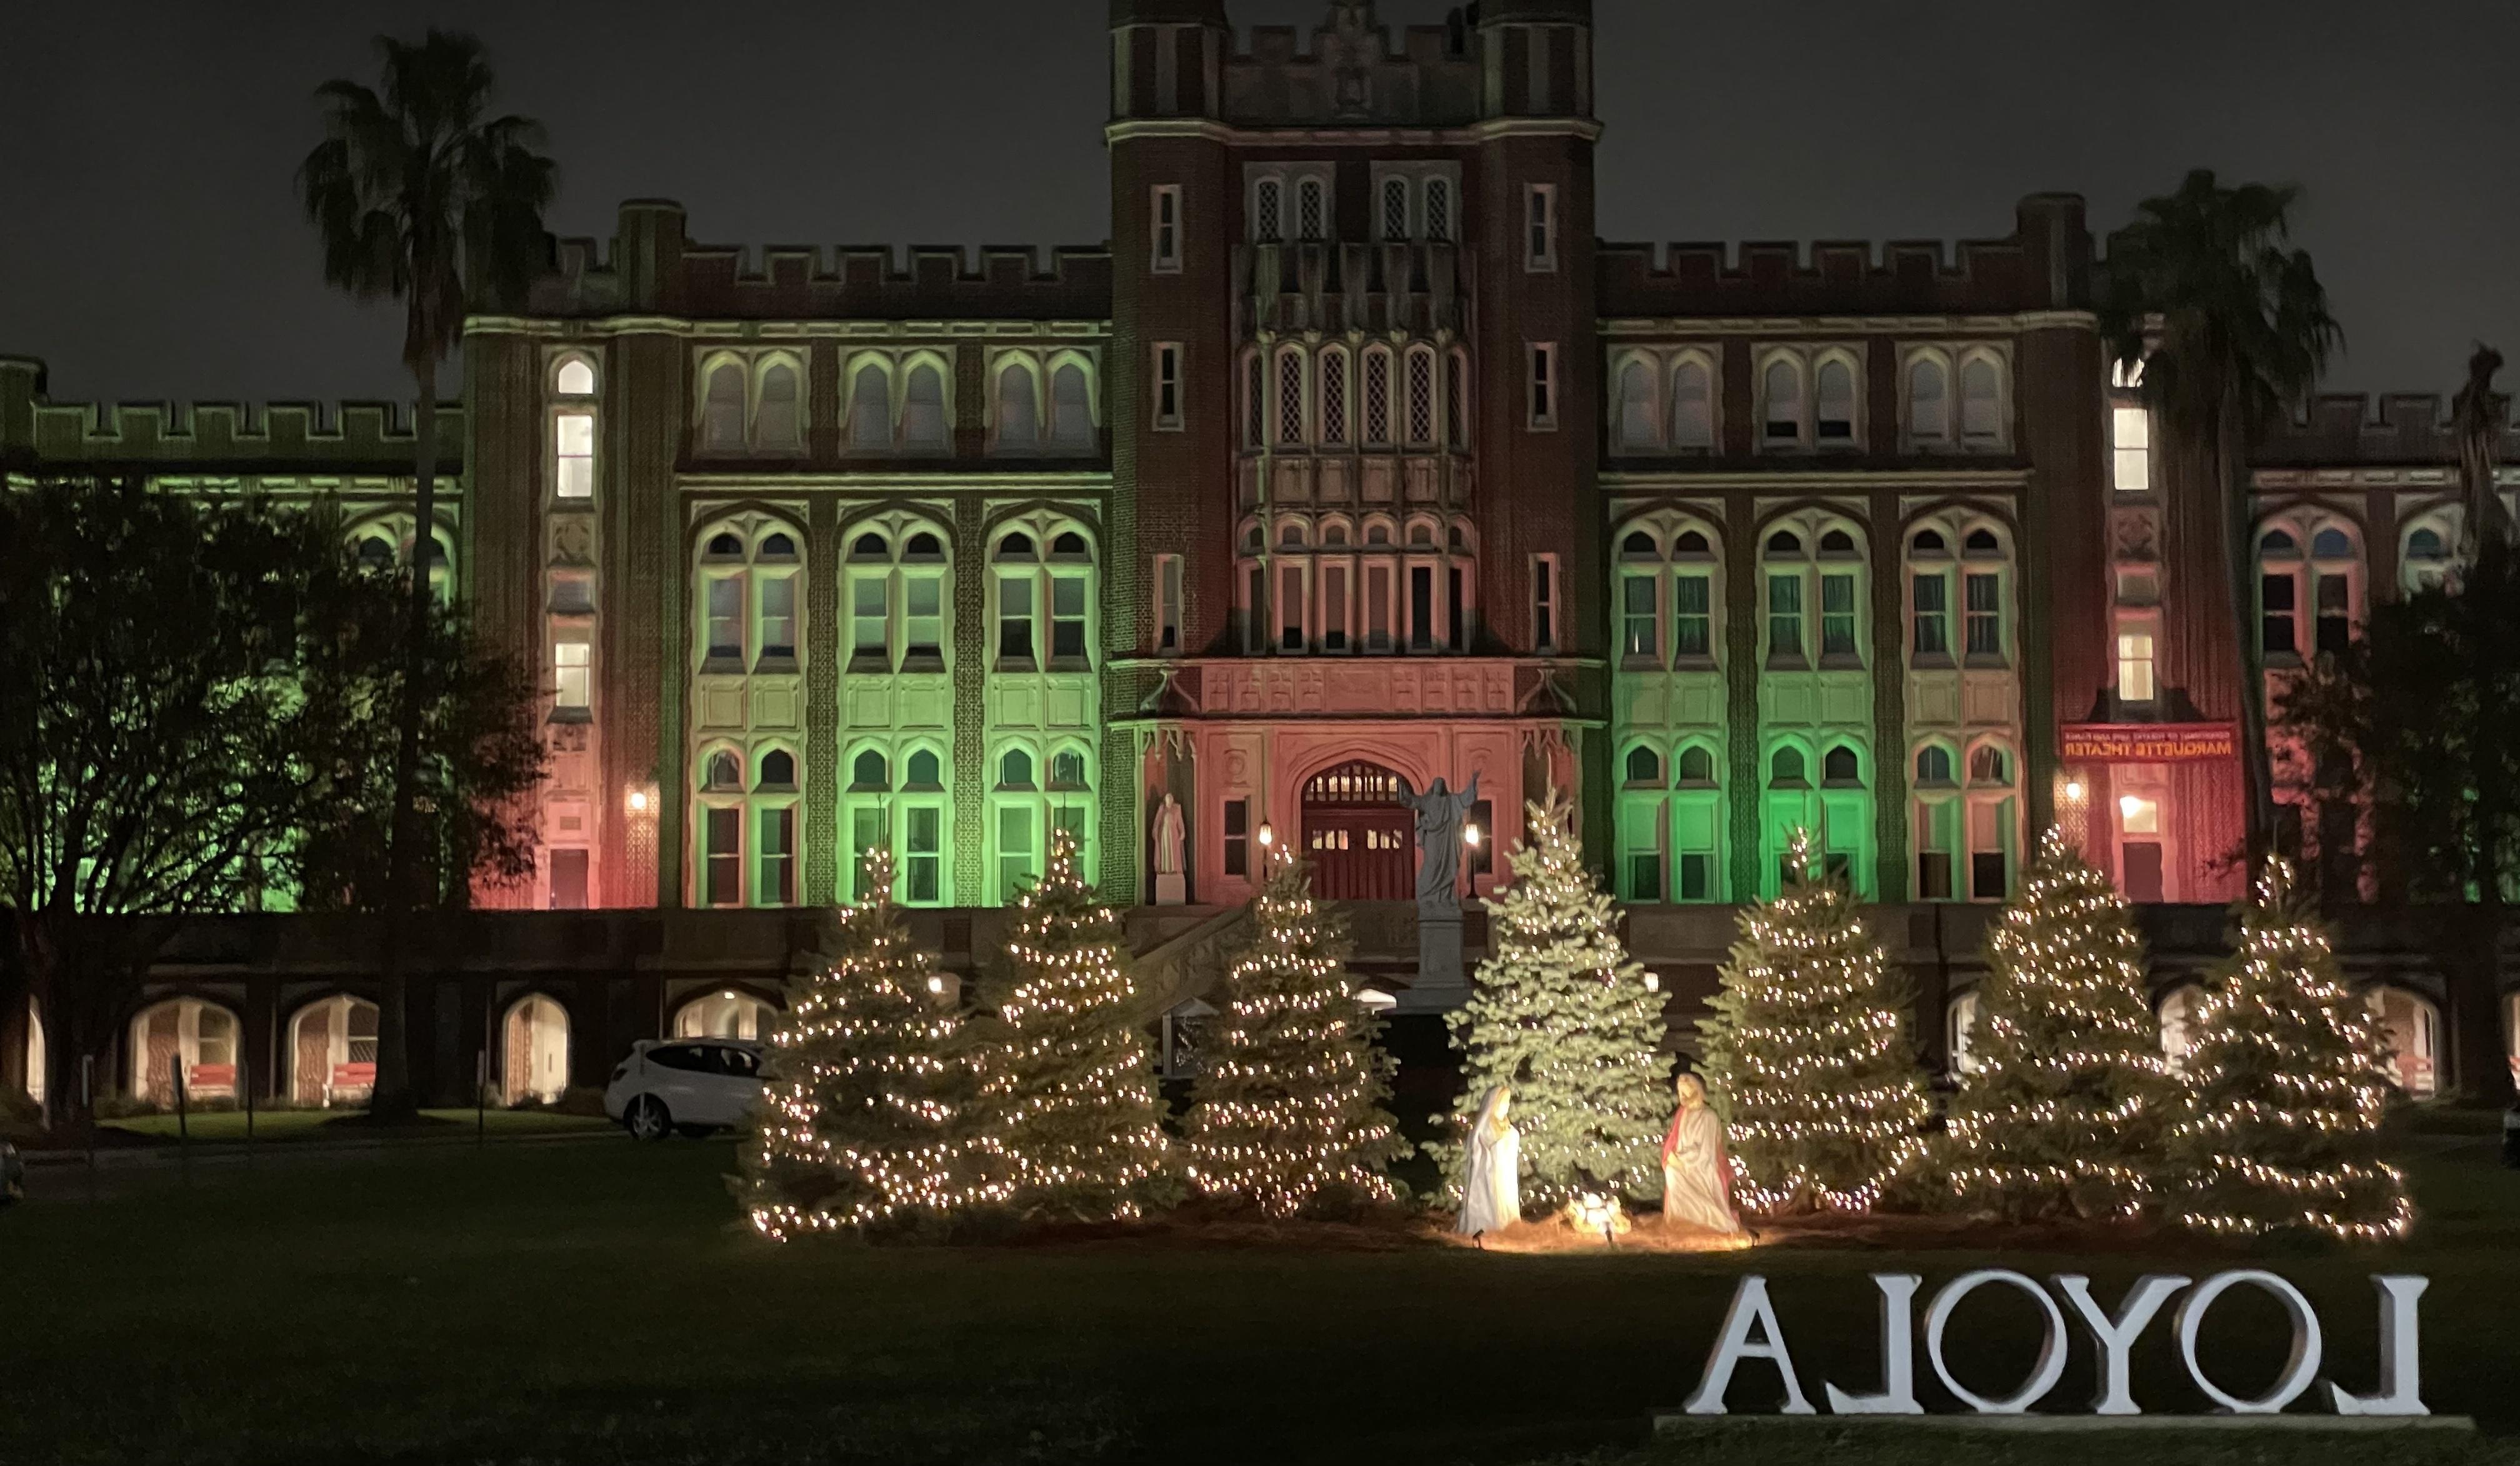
[(420, 196), (2230, 328)]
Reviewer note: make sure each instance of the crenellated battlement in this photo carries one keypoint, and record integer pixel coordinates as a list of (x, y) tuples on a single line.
[(652, 267), (2341, 429), (1351, 73), (350, 438), (2044, 264)]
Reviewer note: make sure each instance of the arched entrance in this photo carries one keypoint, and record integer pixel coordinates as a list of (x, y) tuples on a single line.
[(725, 1015), (1358, 835), (537, 1051), (2412, 1027), (202, 1036), (333, 1051)]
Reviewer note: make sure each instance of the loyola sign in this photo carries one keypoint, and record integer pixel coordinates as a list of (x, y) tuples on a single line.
[(1751, 1332)]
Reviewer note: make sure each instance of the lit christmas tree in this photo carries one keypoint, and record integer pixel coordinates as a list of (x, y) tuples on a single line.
[(1288, 1110), (1810, 1046), (2282, 1129), (2067, 1105), (869, 1087), (1070, 1085), (1562, 1014)]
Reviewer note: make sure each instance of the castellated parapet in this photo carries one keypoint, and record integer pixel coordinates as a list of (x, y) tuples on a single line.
[(654, 268), (358, 439), (2044, 264), (2341, 431)]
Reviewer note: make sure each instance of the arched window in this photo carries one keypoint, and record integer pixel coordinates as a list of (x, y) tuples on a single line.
[(1644, 767), (1784, 541), (1841, 766), (1782, 414), (1929, 405), (2277, 542), (200, 1037), (725, 772), (1256, 402), (1312, 210), (871, 410), (925, 770), (1692, 404), (1067, 769), (1018, 418), (1836, 542), (1786, 767), (1637, 542), (575, 378), (1269, 211), (1696, 765), (1834, 419), (2426, 559), (1015, 769), (1982, 542), (1638, 418), (534, 1059), (1071, 410), (922, 410), (1291, 397), (778, 770), (777, 426), (870, 770), (1378, 397), (1981, 402), (1988, 766), (869, 547), (1333, 369), (722, 413), (1690, 542), (376, 553), (1929, 541), (2331, 544), (1933, 765), (1439, 210), (1421, 397)]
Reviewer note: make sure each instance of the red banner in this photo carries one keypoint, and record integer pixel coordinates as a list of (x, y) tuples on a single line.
[(2147, 742)]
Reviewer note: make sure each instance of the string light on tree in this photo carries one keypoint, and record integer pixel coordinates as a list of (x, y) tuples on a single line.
[(1068, 1083), (1809, 1043), (1287, 1112), (2066, 1107), (1564, 1015), (2282, 1123), (867, 1090)]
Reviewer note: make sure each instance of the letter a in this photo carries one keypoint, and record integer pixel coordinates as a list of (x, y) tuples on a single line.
[(2401, 1356), (1750, 1310), (1898, 1394)]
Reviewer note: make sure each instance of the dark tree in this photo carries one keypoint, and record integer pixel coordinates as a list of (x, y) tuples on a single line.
[(420, 195), (481, 752), (150, 753), (2230, 328), (2415, 721)]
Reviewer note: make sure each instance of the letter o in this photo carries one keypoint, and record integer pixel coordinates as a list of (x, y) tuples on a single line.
[(2299, 1370), (2051, 1353)]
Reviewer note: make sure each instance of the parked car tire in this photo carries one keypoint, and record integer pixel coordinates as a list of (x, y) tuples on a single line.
[(646, 1120)]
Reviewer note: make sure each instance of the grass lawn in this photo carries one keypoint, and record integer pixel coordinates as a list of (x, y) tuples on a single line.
[(600, 1303), (224, 1125)]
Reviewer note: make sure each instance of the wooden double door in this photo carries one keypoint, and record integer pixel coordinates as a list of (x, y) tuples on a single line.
[(1360, 838)]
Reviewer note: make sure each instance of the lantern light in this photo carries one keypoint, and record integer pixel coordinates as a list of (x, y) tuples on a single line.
[(1268, 836), (638, 801), (2073, 788), (1470, 835)]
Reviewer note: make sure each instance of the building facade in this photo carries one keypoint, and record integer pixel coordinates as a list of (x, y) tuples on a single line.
[(1354, 458)]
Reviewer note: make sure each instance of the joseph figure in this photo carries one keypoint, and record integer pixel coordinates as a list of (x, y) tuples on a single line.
[(1441, 815)]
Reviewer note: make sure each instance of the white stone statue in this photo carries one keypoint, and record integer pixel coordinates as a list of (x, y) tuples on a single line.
[(1696, 1170), (1168, 836), (1441, 814), (1491, 1179)]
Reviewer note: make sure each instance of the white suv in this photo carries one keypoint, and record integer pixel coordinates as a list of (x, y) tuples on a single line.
[(695, 1086)]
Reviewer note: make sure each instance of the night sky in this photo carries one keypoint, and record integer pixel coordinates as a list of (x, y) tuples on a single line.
[(150, 245)]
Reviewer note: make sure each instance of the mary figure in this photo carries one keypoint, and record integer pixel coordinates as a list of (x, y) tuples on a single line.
[(1696, 1170), (1492, 1188)]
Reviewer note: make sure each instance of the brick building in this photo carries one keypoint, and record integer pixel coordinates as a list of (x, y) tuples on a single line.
[(1354, 458)]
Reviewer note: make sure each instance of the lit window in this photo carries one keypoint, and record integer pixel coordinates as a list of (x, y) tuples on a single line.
[(576, 380), (2134, 667), (572, 662), (575, 433), (2131, 438), (2138, 816)]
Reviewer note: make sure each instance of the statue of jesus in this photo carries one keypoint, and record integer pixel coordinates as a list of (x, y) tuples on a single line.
[(1441, 813)]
